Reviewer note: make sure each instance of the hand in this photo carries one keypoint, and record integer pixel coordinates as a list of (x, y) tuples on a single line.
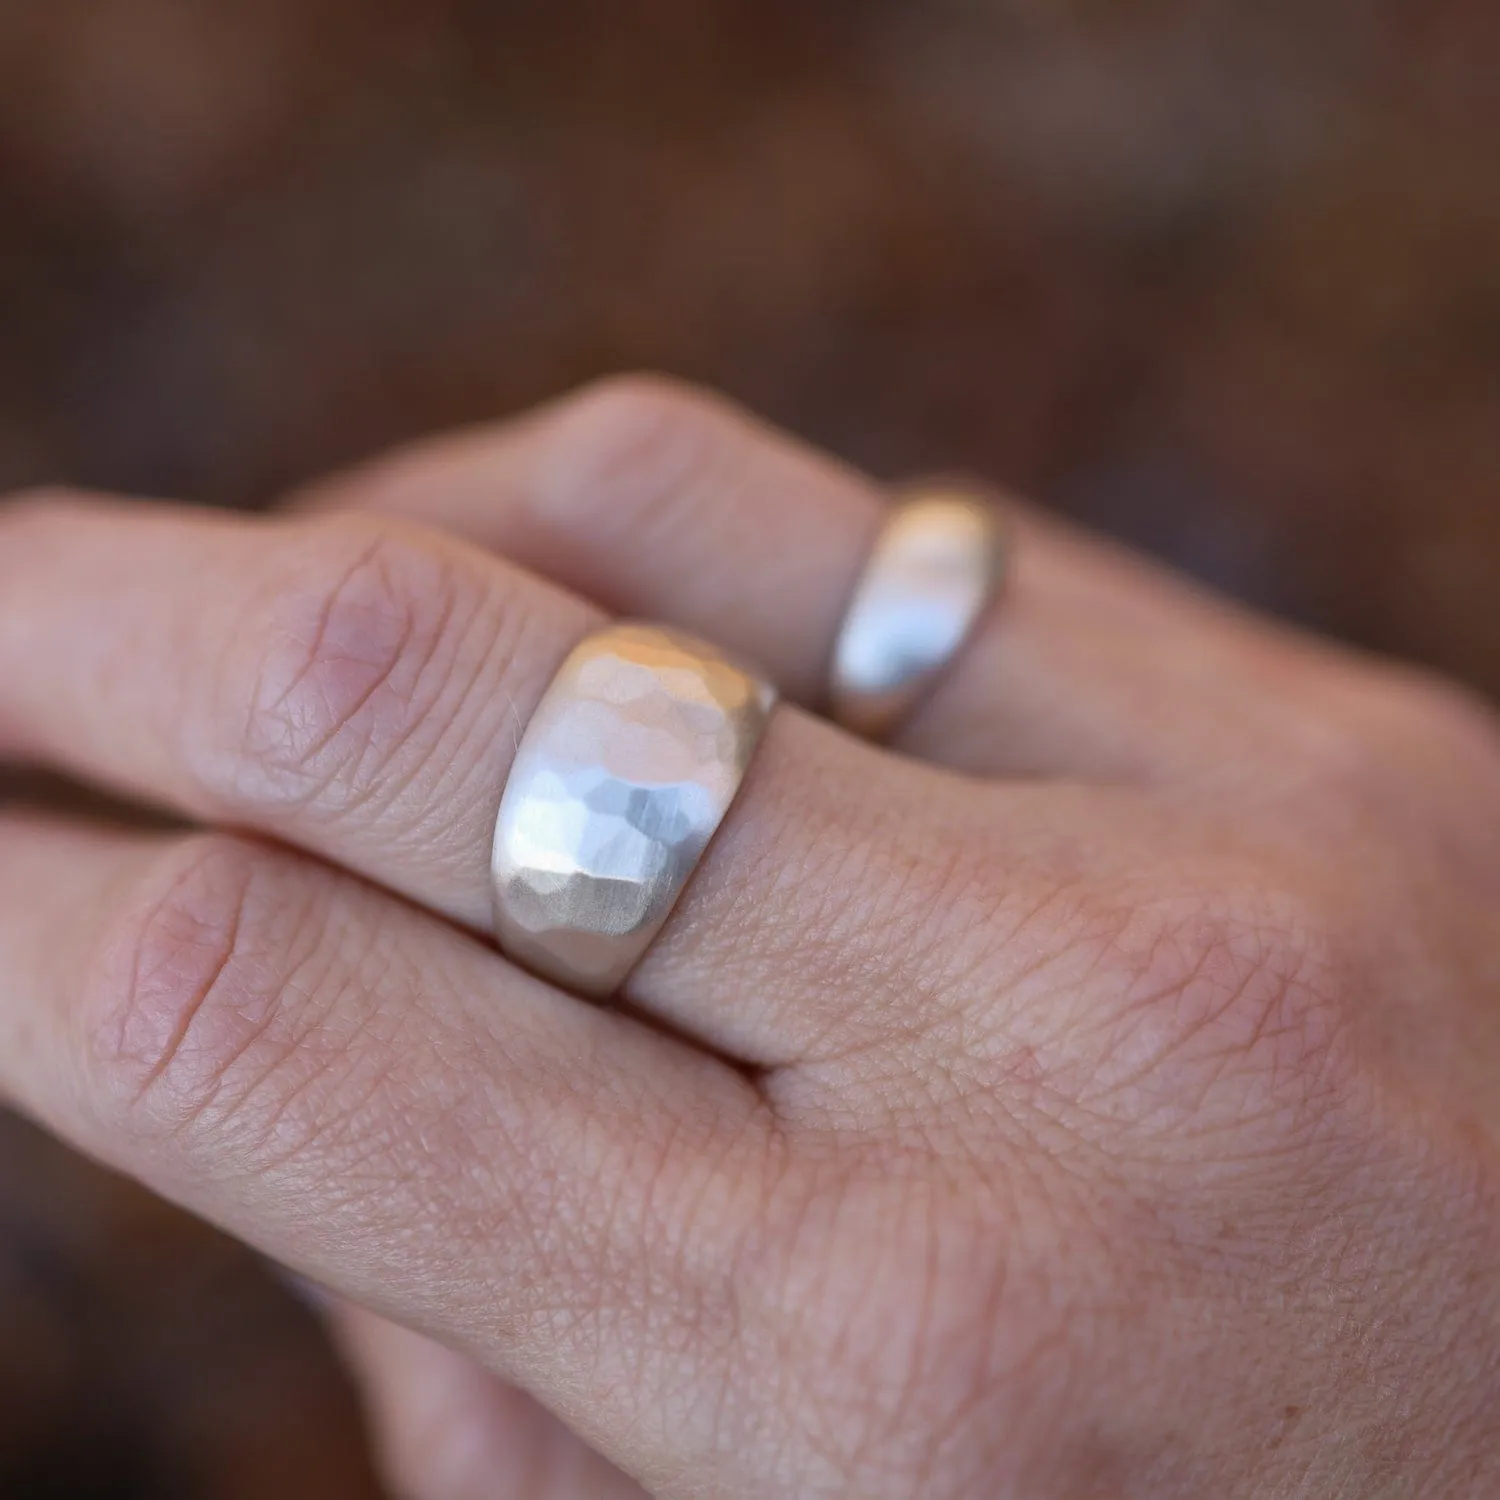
[(1094, 1099)]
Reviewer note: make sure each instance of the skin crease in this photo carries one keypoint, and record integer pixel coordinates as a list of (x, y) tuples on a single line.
[(1089, 1097)]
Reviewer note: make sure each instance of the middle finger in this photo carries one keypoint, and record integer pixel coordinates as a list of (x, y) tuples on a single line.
[(357, 687)]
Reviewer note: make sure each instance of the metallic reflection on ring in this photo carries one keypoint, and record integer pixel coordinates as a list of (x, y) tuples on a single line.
[(938, 563), (624, 774)]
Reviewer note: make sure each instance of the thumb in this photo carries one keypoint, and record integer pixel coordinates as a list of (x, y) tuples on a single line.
[(446, 1429)]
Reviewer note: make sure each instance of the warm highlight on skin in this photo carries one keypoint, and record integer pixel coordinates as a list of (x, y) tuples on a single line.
[(1092, 1098)]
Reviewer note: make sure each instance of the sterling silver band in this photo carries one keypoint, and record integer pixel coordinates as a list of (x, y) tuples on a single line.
[(624, 774), (938, 562)]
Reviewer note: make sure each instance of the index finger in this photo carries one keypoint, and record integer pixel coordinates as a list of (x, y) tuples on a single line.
[(374, 1099)]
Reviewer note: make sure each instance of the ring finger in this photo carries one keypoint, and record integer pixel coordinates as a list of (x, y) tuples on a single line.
[(655, 500)]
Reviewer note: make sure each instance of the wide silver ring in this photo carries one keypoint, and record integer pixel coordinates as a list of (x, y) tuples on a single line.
[(939, 561), (622, 777)]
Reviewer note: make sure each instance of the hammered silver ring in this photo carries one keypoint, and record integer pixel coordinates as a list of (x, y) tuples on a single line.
[(623, 776), (939, 561)]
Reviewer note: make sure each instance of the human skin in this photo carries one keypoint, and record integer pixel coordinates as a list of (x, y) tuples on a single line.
[(1090, 1096)]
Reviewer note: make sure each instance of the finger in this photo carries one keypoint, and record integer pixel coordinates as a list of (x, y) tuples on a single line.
[(381, 1104), (447, 1429), (357, 686), (660, 502)]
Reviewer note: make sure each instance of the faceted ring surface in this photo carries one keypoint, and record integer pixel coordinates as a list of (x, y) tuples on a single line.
[(937, 564), (622, 777)]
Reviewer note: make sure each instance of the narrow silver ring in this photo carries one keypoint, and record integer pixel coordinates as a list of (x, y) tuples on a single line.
[(939, 561), (622, 777)]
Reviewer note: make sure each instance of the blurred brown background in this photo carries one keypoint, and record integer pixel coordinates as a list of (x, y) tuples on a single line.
[(1221, 277)]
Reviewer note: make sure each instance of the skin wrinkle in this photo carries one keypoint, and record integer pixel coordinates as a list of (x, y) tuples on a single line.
[(445, 650), (381, 792), (259, 999), (1184, 1035), (969, 1412), (287, 736), (911, 1389), (471, 775), (1252, 1002), (310, 1002), (334, 604), (427, 653), (915, 952), (311, 979), (837, 1354), (656, 1154), (470, 764), (543, 1234), (331, 1123), (817, 1420), (161, 1045), (769, 1175), (990, 1065)]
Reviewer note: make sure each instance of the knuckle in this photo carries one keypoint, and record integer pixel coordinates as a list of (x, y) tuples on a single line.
[(189, 984), (348, 654), (1399, 727), (1226, 1009), (627, 454)]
